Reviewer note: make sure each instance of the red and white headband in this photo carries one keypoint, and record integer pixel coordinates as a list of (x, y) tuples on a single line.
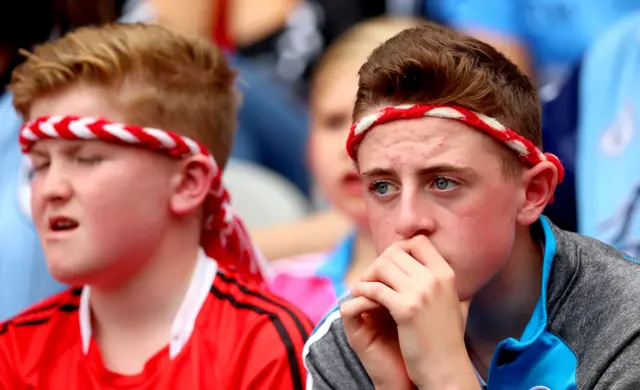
[(223, 227), (529, 154)]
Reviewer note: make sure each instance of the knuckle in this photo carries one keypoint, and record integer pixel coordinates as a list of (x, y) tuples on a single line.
[(382, 265), (424, 295), (391, 249), (410, 309), (448, 278)]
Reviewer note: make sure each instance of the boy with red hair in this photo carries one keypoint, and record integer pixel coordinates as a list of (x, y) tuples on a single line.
[(168, 283)]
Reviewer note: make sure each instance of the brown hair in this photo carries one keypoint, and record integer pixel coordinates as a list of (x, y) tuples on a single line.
[(160, 78), (431, 64)]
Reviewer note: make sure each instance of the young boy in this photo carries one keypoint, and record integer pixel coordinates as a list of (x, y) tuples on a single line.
[(315, 281), (472, 288), (168, 292)]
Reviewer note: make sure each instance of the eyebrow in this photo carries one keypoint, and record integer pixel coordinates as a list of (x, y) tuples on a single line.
[(72, 147), (430, 171)]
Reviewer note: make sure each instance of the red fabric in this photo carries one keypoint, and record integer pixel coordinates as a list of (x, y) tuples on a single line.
[(224, 229), (530, 156), (221, 30), (244, 338)]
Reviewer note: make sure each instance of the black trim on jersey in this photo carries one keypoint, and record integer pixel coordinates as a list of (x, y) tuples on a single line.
[(5, 326), (32, 322), (74, 292), (280, 328), (68, 308), (77, 291), (38, 309), (18, 320), (244, 289)]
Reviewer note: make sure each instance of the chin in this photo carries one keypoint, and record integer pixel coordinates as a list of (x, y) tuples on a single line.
[(68, 273)]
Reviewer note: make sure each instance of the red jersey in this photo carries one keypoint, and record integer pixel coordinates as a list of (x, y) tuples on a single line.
[(227, 335)]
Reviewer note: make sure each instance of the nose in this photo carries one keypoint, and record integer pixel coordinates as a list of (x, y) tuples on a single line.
[(56, 186), (414, 216)]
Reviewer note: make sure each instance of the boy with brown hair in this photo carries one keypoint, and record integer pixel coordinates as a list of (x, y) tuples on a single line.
[(315, 281), (168, 284), (472, 287)]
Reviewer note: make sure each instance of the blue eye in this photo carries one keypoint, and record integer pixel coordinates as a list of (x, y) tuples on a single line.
[(382, 188), (441, 183)]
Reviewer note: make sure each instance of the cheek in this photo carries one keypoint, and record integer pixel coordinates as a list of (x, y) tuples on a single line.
[(380, 223), (485, 227), (37, 204), (124, 201), (323, 161)]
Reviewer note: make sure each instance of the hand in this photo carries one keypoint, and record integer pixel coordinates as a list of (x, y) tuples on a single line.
[(373, 335), (417, 287)]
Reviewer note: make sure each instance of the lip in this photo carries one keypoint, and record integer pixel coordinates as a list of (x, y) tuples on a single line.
[(55, 235)]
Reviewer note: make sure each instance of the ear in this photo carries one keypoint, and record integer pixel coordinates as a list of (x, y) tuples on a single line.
[(539, 184), (192, 183)]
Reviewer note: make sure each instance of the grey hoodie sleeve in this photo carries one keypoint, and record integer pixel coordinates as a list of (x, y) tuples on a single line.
[(330, 361), (623, 373)]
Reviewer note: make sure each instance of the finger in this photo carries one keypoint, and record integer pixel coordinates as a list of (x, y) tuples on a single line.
[(380, 293), (352, 312), (357, 306), (396, 255), (423, 250), (406, 262), (387, 271)]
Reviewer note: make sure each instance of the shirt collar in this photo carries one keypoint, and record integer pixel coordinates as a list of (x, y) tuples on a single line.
[(183, 324)]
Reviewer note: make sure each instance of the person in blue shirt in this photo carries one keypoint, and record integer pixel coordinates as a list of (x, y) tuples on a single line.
[(608, 178)]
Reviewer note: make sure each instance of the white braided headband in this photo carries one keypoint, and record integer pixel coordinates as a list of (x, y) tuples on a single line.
[(223, 227), (529, 154)]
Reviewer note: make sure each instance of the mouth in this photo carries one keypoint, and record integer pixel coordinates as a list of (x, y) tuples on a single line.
[(62, 224)]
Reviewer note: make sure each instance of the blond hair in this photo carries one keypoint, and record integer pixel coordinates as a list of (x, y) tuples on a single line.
[(359, 41), (158, 77)]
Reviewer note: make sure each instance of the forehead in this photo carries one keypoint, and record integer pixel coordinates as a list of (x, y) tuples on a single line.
[(78, 100), (336, 87), (425, 140)]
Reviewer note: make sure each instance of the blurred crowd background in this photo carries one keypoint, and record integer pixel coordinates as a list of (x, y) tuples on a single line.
[(584, 56)]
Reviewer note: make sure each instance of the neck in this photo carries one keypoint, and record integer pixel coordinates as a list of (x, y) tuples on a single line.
[(148, 300), (363, 255), (503, 308)]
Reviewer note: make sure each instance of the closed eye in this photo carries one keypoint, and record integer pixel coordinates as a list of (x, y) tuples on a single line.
[(89, 159)]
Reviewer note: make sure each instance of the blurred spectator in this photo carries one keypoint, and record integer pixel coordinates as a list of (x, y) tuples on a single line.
[(547, 39), (294, 52), (276, 44), (315, 281), (608, 178)]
